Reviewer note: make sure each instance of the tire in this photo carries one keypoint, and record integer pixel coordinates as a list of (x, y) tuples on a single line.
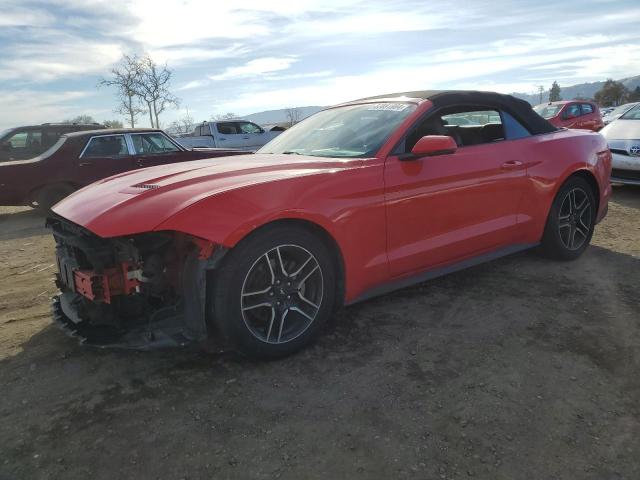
[(571, 221), (48, 196), (274, 292)]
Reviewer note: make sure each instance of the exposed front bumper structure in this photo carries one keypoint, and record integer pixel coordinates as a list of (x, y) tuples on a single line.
[(140, 292)]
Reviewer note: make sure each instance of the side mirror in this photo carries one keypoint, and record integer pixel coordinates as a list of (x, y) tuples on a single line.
[(431, 145)]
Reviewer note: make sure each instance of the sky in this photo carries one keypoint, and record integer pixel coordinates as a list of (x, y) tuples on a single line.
[(250, 56)]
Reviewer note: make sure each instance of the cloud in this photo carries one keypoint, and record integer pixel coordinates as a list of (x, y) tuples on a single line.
[(310, 51), (258, 66), (23, 17), (190, 85), (26, 107), (51, 55)]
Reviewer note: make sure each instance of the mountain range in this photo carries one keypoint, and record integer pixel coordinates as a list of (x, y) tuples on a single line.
[(584, 90)]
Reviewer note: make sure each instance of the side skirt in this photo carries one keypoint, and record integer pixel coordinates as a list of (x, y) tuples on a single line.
[(439, 272)]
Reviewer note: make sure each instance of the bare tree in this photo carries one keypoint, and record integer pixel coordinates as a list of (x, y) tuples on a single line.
[(184, 124), (224, 116), (125, 77), (152, 86), (293, 116)]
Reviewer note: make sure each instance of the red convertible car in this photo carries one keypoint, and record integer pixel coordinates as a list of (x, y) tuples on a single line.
[(357, 200)]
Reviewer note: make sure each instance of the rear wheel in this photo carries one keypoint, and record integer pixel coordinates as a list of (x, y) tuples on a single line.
[(571, 221), (274, 292), (48, 196)]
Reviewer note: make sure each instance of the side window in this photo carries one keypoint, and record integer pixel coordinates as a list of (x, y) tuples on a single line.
[(513, 129), (587, 108), (107, 146), (227, 128), (572, 111), (24, 144), (17, 140), (466, 125), (248, 127), (152, 143), (50, 137)]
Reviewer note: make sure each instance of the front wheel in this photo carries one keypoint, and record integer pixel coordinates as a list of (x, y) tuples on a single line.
[(48, 196), (274, 292), (571, 221)]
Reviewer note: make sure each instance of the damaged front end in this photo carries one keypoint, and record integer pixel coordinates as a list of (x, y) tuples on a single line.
[(141, 291)]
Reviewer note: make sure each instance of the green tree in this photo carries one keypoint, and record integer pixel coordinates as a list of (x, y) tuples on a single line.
[(554, 93), (634, 96), (611, 94), (113, 124)]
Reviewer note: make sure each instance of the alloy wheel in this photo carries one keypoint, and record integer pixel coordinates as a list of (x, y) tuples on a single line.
[(574, 219), (282, 294)]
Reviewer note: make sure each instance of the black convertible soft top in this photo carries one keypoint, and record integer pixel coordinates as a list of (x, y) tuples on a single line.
[(519, 109)]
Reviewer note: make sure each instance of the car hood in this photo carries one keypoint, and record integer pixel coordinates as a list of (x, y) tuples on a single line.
[(140, 200), (622, 130)]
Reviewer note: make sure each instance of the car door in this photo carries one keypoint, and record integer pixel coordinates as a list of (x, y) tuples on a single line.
[(254, 135), (590, 118), (571, 116), (155, 148), (445, 208), (230, 136), (103, 156)]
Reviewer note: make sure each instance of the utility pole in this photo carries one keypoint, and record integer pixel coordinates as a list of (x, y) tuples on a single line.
[(541, 92)]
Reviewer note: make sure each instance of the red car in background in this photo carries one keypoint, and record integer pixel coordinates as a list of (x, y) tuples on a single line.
[(76, 159), (571, 114), (354, 201)]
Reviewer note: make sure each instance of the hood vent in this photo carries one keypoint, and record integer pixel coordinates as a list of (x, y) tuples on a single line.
[(146, 186)]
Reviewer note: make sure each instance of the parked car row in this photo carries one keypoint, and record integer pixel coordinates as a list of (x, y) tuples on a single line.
[(79, 158), (617, 112), (620, 126)]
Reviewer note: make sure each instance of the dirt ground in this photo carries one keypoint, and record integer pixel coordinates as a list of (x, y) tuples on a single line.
[(522, 368)]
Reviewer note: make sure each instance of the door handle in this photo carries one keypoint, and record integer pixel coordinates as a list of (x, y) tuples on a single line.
[(245, 138), (511, 164), (84, 164)]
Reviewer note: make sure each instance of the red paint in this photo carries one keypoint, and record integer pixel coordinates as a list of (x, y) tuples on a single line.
[(390, 218), (434, 145)]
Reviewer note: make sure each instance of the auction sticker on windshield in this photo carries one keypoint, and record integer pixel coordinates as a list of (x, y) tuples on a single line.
[(393, 107)]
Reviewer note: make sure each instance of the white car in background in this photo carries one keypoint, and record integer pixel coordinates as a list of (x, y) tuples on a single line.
[(618, 112), (623, 137), (235, 134)]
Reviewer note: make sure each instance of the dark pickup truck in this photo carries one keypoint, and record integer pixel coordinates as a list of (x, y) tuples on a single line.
[(80, 158)]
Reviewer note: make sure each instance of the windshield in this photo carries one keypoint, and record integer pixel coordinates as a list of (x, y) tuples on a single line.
[(633, 114), (353, 131), (547, 111)]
